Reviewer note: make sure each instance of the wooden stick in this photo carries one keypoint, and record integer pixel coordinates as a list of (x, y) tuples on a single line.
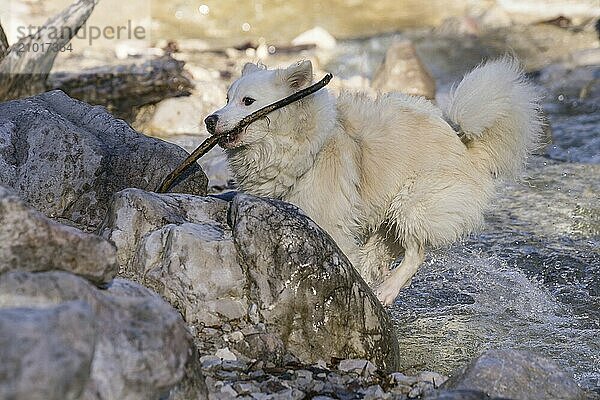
[(214, 139)]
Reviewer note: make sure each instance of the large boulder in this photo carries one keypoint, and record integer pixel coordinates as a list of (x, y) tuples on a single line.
[(254, 260), (30, 241), (181, 247), (516, 375), (61, 337), (67, 158), (305, 287)]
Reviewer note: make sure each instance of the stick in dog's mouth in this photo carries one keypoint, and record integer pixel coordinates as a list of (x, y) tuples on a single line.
[(212, 141)]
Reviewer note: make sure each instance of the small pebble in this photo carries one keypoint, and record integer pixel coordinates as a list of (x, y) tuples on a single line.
[(226, 354), (210, 361), (244, 387), (210, 331), (229, 390), (400, 378), (236, 336), (433, 377), (363, 367), (304, 374), (233, 365)]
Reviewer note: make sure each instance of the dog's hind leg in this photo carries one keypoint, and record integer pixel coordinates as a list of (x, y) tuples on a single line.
[(377, 254), (413, 257)]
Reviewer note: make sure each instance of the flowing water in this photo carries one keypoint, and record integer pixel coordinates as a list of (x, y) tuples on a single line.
[(530, 280)]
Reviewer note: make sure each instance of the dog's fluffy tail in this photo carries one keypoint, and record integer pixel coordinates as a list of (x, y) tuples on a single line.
[(497, 110)]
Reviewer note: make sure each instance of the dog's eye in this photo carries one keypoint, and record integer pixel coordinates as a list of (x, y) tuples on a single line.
[(248, 100)]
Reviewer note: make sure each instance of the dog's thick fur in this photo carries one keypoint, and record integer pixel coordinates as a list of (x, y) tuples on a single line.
[(386, 176)]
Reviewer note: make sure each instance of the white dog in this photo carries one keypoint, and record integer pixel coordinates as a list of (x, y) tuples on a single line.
[(382, 176)]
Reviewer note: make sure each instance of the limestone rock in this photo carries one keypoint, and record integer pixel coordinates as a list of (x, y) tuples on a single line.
[(517, 375), (402, 71), (305, 288), (67, 158), (181, 247), (46, 352), (185, 115), (141, 344), (458, 395), (362, 367), (256, 260), (30, 241)]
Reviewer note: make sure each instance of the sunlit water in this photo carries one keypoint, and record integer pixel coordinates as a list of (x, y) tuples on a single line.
[(530, 280)]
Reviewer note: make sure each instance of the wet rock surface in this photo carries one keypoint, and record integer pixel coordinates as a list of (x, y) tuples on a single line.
[(30, 241), (67, 158), (252, 262), (516, 375)]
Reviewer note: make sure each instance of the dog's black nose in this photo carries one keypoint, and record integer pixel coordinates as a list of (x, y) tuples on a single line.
[(211, 123)]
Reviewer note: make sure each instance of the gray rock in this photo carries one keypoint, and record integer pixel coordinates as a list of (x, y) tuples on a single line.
[(141, 347), (516, 375), (402, 71), (306, 290), (245, 387), (267, 262), (263, 346), (46, 352), (193, 386), (401, 379), (532, 11), (67, 158), (30, 241), (181, 247), (362, 367), (420, 389), (225, 354), (374, 392), (432, 377)]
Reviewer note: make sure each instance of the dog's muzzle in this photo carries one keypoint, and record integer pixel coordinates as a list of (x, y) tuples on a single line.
[(211, 123)]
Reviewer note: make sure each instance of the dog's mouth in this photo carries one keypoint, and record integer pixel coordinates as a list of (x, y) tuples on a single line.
[(230, 141)]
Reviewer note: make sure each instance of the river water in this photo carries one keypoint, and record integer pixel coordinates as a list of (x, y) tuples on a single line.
[(531, 279)]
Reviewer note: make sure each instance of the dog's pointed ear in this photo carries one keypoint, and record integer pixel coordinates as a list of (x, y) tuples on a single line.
[(249, 67), (297, 75)]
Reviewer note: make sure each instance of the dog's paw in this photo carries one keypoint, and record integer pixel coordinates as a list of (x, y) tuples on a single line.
[(387, 292)]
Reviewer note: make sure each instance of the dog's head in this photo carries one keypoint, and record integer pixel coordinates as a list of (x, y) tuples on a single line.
[(256, 88)]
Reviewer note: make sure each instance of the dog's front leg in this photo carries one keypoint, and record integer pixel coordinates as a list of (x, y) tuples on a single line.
[(401, 275)]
